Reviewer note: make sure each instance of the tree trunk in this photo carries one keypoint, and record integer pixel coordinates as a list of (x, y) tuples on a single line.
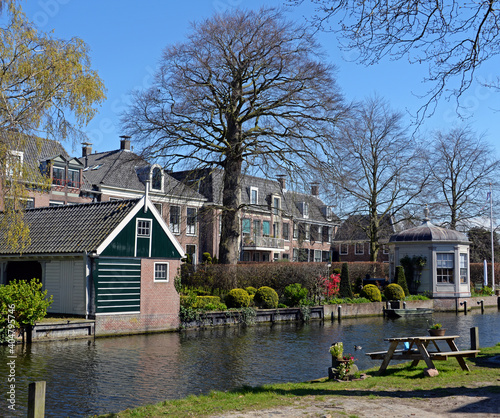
[(231, 197)]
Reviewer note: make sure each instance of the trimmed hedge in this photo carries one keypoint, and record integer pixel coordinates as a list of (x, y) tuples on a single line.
[(371, 292), (266, 298), (394, 292), (238, 298)]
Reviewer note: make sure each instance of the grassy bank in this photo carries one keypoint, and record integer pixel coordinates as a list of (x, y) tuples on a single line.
[(398, 381)]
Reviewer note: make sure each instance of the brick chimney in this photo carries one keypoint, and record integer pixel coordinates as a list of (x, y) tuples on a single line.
[(315, 189), (125, 143), (282, 181), (86, 149)]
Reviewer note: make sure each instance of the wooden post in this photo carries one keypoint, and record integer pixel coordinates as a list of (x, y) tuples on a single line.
[(36, 399), (339, 309), (474, 338)]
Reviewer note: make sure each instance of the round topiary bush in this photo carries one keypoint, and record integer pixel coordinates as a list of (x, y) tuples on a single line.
[(394, 292), (251, 290), (266, 298), (237, 298), (372, 293)]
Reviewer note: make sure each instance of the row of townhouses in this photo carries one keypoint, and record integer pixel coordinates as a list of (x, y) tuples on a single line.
[(276, 223)]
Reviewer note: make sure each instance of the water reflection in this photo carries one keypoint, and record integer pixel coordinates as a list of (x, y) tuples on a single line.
[(111, 374)]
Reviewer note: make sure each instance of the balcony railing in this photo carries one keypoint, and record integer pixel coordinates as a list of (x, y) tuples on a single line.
[(70, 183), (263, 242)]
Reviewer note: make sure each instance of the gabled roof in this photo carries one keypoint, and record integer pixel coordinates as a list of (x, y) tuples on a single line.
[(73, 228), (124, 169), (355, 226)]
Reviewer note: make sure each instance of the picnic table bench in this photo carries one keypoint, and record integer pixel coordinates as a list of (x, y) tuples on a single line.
[(416, 350)]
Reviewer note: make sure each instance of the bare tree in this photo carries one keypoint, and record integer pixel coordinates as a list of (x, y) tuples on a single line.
[(461, 165), (453, 37), (375, 166), (247, 88)]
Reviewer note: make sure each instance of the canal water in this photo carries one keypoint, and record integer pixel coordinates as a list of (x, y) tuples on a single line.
[(86, 377)]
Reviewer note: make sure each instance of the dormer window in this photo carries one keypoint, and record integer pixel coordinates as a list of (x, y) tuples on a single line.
[(15, 161), (276, 205), (58, 176), (254, 195), (73, 178), (156, 179), (305, 210)]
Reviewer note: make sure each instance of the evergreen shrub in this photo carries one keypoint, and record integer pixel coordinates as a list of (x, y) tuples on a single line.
[(294, 294), (372, 293), (238, 298), (251, 290), (401, 279), (266, 298), (394, 292)]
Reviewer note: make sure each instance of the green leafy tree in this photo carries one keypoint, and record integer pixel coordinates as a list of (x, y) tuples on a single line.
[(345, 286), (401, 279), (47, 87), (24, 303)]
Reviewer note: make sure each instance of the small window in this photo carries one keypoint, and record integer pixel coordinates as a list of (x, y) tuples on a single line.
[(360, 248), (286, 231), (156, 179), (266, 228), (308, 231), (29, 203), (464, 262), (276, 205), (445, 268), (344, 249), (256, 228), (175, 216), (73, 178), (385, 249), (305, 212), (161, 272), (245, 226), (276, 230), (56, 203), (143, 228), (191, 221), (14, 162), (317, 256), (295, 230), (158, 207), (191, 251), (58, 176), (254, 195)]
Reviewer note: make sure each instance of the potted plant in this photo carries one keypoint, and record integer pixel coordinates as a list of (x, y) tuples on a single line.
[(336, 350), (436, 330)]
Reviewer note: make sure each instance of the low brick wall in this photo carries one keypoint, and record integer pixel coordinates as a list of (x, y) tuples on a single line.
[(135, 323)]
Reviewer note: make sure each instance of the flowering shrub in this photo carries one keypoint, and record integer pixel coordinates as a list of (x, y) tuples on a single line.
[(345, 366), (331, 285)]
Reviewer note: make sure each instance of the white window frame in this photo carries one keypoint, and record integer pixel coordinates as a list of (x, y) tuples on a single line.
[(464, 268), (155, 168), (445, 268), (305, 210), (193, 255), (276, 205), (15, 157), (317, 256), (156, 272), (191, 228), (252, 200), (174, 228), (70, 181), (159, 208), (357, 251), (143, 228)]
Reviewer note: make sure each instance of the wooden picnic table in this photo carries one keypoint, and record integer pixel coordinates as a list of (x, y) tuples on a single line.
[(417, 349)]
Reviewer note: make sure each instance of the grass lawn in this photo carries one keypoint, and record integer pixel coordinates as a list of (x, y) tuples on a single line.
[(398, 381)]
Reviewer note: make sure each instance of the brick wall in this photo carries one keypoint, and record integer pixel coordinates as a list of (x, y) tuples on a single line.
[(159, 305)]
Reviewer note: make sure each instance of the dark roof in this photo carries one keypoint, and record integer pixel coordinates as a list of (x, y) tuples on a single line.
[(124, 169), (210, 184), (355, 226), (71, 229), (429, 232), (36, 149)]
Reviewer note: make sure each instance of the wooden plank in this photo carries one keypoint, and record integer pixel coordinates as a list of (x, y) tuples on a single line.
[(443, 355)]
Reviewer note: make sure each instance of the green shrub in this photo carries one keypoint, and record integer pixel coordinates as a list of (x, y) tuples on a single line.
[(251, 290), (203, 301), (371, 292), (294, 294), (345, 290), (394, 292), (401, 280), (238, 298), (266, 298)]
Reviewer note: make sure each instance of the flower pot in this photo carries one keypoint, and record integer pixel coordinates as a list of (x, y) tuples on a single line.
[(436, 332)]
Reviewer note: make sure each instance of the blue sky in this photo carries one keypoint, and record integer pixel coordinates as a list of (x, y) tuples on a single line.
[(126, 39)]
